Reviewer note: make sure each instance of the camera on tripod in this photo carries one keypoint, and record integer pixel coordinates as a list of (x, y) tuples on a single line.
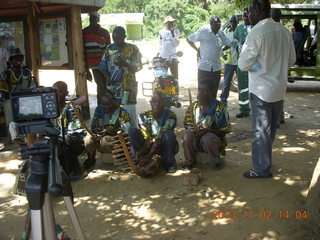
[(33, 110)]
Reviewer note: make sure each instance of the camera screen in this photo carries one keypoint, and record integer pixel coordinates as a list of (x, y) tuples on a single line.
[(30, 107)]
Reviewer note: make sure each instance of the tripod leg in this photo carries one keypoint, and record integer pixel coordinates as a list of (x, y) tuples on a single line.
[(27, 227), (48, 218), (74, 217), (36, 225)]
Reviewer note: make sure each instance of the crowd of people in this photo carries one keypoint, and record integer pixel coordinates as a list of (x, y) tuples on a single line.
[(250, 52)]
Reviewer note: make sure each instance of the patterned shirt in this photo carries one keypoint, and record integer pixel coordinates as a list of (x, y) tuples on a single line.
[(70, 122), (118, 120), (151, 128), (10, 83), (124, 84), (216, 119), (168, 43), (95, 42), (210, 48)]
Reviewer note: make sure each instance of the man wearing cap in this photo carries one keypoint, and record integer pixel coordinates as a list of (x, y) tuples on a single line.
[(230, 65), (95, 40), (169, 40), (15, 78), (211, 39)]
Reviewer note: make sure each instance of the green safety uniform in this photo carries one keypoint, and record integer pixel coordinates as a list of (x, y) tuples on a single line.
[(240, 35)]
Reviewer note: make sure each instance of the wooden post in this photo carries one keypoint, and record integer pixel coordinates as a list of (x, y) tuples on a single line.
[(34, 54), (78, 59), (33, 41), (317, 73)]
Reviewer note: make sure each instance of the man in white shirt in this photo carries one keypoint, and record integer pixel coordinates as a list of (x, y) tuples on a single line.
[(169, 40), (211, 42), (267, 54)]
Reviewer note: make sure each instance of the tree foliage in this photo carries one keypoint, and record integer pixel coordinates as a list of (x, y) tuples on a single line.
[(190, 14)]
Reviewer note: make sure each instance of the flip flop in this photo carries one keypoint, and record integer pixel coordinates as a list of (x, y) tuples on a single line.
[(79, 177), (253, 174)]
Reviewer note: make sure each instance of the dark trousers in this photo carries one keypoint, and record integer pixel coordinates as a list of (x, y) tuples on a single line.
[(214, 76), (229, 71), (174, 68), (265, 117), (69, 151), (169, 145), (208, 143), (100, 81)]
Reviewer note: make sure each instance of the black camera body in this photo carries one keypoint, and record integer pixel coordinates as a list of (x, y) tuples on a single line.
[(33, 110), (37, 104)]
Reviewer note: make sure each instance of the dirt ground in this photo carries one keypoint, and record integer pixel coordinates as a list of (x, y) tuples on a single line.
[(163, 208)]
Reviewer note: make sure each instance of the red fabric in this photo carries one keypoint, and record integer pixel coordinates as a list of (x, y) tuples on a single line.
[(95, 43)]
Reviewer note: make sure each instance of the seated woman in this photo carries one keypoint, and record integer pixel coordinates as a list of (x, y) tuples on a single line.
[(109, 117)]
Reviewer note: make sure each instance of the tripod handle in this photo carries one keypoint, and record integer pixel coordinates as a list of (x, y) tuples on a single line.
[(54, 175)]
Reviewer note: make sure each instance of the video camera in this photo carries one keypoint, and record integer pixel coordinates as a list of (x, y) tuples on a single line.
[(33, 109)]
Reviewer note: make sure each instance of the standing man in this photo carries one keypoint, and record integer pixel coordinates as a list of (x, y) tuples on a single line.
[(230, 66), (95, 40), (240, 35), (119, 65), (268, 65), (276, 16), (169, 40), (211, 42)]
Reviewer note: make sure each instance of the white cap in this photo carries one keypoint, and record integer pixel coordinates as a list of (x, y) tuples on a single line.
[(96, 14)]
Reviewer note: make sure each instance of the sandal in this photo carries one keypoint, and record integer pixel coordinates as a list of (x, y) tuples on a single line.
[(78, 177), (253, 174)]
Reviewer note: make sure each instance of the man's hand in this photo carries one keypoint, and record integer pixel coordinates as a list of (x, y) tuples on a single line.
[(88, 75), (224, 56), (198, 53), (121, 62), (107, 77)]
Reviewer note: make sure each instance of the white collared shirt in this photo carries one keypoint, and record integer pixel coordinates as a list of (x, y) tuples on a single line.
[(168, 43), (267, 54), (210, 48)]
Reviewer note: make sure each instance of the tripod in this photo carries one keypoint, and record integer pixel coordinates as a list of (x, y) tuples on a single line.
[(45, 179)]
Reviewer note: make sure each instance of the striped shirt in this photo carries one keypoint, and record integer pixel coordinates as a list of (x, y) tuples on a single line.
[(95, 42)]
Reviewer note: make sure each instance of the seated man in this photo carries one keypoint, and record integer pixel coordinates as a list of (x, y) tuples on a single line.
[(156, 129), (210, 125), (15, 78), (109, 117), (70, 144)]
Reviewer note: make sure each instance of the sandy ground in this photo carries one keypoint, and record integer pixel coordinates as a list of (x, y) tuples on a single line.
[(224, 205)]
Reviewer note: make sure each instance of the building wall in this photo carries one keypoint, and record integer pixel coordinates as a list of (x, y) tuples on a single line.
[(134, 31)]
